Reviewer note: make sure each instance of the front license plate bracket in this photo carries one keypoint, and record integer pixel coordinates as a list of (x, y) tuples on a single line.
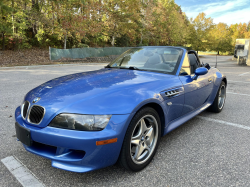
[(23, 134)]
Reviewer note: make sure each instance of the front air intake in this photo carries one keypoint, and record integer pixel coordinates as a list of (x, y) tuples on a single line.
[(25, 107), (36, 114)]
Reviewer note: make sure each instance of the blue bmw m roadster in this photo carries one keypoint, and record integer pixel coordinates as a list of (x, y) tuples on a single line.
[(90, 120)]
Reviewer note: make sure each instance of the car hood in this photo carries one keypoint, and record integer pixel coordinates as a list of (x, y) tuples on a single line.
[(106, 91)]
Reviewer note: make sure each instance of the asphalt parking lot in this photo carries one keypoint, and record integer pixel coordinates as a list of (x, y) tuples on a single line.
[(209, 150)]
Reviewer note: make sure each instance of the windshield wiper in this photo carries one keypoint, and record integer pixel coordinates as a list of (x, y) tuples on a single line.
[(133, 67), (108, 66), (130, 67)]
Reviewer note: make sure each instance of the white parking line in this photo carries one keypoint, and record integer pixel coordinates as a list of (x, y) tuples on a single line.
[(244, 73), (238, 94), (22, 174), (224, 122), (237, 81)]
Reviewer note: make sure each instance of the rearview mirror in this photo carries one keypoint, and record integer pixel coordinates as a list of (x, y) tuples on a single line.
[(199, 71)]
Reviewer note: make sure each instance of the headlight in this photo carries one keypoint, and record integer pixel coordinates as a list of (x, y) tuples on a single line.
[(80, 122)]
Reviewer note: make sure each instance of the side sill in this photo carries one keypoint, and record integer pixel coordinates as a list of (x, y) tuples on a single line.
[(176, 123)]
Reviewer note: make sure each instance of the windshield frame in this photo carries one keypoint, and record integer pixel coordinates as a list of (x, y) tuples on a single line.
[(139, 69)]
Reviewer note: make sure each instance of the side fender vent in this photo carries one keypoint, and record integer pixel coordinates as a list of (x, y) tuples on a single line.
[(172, 93)]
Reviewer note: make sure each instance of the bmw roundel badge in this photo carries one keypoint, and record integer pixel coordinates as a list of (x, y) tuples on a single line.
[(36, 99)]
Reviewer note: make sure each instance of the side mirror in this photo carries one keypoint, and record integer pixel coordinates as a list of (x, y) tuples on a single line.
[(199, 71)]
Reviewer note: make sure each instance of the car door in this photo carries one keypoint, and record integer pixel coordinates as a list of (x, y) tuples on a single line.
[(196, 92)]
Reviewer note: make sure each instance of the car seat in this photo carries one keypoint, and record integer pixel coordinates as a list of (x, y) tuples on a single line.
[(193, 62)]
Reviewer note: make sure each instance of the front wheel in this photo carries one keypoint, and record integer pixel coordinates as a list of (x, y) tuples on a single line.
[(219, 100), (141, 140)]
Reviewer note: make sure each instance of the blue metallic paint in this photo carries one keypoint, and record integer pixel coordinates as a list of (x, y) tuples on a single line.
[(119, 92), (176, 123), (201, 71), (197, 91), (175, 109), (100, 92)]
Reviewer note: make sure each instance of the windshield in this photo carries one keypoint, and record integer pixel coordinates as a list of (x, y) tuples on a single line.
[(162, 59)]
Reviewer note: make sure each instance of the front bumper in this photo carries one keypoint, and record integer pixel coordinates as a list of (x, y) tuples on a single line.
[(77, 150)]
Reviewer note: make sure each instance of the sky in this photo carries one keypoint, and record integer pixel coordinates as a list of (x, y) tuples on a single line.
[(226, 11)]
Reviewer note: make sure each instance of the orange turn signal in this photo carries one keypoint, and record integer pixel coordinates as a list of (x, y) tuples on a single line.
[(103, 142)]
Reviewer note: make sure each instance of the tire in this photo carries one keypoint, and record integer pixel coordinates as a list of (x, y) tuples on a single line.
[(141, 140), (219, 100)]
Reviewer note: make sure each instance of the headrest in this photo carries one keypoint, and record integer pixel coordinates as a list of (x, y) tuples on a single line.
[(192, 59)]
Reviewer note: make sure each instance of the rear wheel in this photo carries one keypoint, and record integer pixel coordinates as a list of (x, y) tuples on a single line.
[(141, 140), (219, 100)]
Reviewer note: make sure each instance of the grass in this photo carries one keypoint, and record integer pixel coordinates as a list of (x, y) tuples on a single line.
[(213, 53)]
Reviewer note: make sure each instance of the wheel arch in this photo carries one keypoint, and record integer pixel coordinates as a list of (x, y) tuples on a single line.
[(224, 79), (158, 108)]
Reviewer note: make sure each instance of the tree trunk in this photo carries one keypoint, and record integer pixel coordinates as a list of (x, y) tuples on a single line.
[(12, 16), (65, 41), (34, 31), (3, 42), (113, 41), (52, 18), (113, 37), (141, 38), (35, 7), (197, 52), (218, 53)]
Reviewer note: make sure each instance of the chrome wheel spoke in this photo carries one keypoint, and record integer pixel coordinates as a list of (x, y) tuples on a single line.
[(144, 127), (149, 136), (137, 136), (135, 142), (143, 155), (139, 150)]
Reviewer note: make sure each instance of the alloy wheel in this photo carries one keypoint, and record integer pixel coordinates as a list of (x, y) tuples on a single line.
[(144, 139), (222, 96)]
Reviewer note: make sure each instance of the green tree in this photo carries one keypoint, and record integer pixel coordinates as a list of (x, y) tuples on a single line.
[(199, 32), (164, 23), (247, 34), (120, 18), (238, 31), (220, 38), (5, 25)]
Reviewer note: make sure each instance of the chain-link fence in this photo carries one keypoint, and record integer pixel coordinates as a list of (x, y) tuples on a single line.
[(86, 54)]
